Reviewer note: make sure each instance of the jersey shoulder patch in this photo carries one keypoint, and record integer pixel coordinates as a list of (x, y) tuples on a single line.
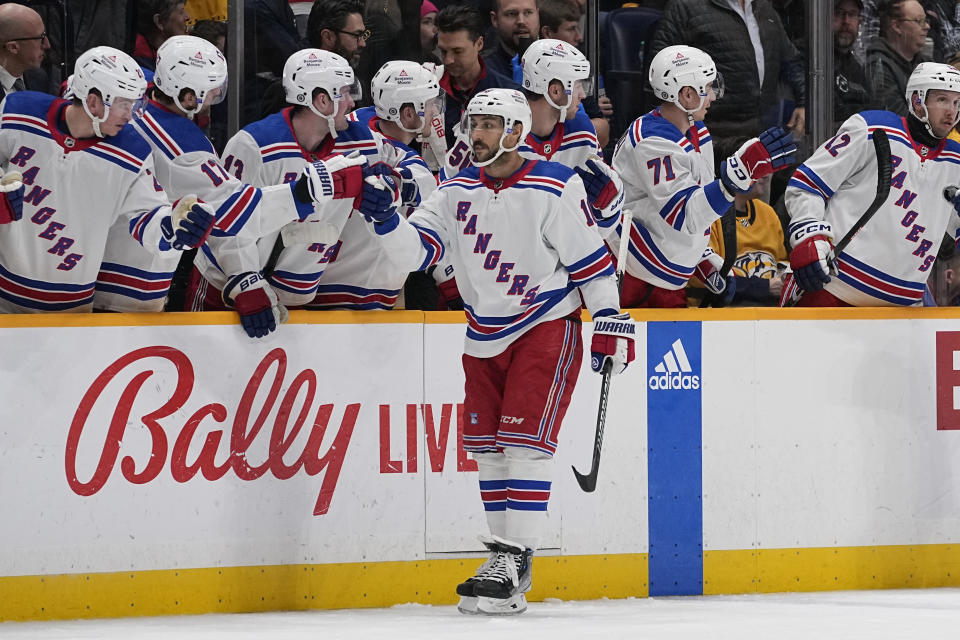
[(882, 119)]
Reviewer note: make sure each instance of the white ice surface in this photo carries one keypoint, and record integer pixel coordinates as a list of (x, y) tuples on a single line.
[(871, 615)]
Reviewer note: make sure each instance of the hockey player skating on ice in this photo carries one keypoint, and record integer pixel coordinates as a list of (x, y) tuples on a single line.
[(84, 168), (888, 261), (190, 77), (277, 149), (556, 77), (518, 233), (666, 162)]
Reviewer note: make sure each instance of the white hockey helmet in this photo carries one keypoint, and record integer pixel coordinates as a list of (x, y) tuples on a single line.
[(115, 75), (547, 60), (310, 69), (188, 62), (401, 82), (512, 108), (927, 76), (682, 66)]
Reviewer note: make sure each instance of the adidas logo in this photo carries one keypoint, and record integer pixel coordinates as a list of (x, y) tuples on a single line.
[(675, 371)]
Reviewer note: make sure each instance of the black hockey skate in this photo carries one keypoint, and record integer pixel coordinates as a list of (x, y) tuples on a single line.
[(467, 589), (501, 591)]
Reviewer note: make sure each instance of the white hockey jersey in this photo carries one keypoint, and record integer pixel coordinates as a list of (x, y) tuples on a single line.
[(75, 190), (360, 275), (887, 263), (267, 152), (670, 187), (521, 248), (185, 163)]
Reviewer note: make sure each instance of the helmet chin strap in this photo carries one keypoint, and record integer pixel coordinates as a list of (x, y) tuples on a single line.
[(500, 151), (190, 112), (563, 109), (331, 119), (95, 120)]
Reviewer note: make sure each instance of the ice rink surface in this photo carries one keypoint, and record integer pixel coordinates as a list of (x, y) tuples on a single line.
[(851, 615)]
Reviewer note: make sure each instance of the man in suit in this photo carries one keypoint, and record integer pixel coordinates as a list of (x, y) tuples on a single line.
[(24, 43)]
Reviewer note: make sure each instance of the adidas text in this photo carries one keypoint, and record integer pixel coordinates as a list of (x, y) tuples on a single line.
[(675, 381), (674, 371)]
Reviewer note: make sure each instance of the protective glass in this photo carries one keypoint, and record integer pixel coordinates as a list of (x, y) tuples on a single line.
[(717, 86), (126, 106), (216, 95), (485, 124), (587, 85)]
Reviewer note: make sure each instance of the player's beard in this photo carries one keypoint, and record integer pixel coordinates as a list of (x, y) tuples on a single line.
[(488, 153)]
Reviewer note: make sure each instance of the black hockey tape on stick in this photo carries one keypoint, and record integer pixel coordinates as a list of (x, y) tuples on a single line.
[(882, 147), (588, 482)]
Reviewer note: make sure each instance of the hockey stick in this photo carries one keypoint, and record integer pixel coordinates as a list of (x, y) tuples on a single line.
[(882, 147), (588, 482)]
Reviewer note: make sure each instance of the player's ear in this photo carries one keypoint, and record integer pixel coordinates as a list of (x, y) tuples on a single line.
[(94, 104)]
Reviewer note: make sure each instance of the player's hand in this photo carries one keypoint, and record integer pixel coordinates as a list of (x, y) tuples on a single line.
[(812, 254), (604, 188), (260, 311), (709, 273), (757, 158), (409, 189), (613, 342), (188, 226), (11, 204), (381, 193), (332, 178)]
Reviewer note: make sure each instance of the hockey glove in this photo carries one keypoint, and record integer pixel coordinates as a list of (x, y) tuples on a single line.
[(11, 204), (604, 189), (381, 193), (812, 254), (757, 158), (613, 342), (708, 270), (188, 226), (409, 189), (333, 178), (260, 311)]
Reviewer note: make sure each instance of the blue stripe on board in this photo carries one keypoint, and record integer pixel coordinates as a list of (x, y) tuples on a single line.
[(674, 458)]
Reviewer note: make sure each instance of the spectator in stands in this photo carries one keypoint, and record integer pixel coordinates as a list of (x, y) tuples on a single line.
[(943, 286), (213, 31), (428, 32), (759, 245), (460, 40), (944, 27), (24, 43), (851, 87), (157, 20), (559, 20), (752, 52), (517, 23), (337, 26), (207, 10), (893, 56)]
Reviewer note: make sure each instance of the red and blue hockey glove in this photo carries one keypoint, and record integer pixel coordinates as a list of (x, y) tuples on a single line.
[(613, 341), (708, 271), (812, 254), (188, 226), (332, 178), (11, 204), (260, 311), (603, 185), (409, 189), (381, 193), (772, 151)]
